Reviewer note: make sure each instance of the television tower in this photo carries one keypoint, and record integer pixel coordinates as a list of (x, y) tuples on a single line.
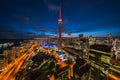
[(60, 28)]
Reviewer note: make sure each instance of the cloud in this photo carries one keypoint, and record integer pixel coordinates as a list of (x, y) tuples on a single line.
[(6, 29), (110, 23), (40, 28), (45, 28), (51, 6), (30, 33), (65, 21), (23, 19)]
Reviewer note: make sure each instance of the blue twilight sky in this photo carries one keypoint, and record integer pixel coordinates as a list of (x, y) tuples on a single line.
[(28, 18)]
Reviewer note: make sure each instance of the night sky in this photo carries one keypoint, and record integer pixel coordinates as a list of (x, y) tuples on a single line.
[(28, 18)]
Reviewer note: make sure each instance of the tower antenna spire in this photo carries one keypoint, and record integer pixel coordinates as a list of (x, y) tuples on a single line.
[(60, 13)]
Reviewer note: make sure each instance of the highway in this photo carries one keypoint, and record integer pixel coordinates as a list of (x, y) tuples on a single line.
[(10, 72)]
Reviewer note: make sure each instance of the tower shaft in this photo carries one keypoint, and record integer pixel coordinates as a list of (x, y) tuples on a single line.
[(60, 28)]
